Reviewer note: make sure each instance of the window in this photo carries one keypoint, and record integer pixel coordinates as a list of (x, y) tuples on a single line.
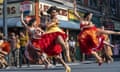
[(93, 3), (80, 2), (113, 6)]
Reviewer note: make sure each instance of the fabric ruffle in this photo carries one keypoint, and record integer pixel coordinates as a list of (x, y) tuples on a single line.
[(47, 43), (88, 40)]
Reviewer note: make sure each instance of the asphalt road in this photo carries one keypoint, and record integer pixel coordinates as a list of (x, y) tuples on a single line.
[(76, 67)]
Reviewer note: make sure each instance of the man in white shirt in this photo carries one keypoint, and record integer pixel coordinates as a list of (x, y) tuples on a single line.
[(72, 45)]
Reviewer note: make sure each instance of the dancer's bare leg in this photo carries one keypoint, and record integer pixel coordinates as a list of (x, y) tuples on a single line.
[(46, 62), (99, 59), (65, 47), (109, 59), (68, 69), (43, 58), (3, 62)]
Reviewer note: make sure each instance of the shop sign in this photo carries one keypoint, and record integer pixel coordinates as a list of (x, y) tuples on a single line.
[(72, 17), (12, 10), (1, 1), (26, 7), (62, 12)]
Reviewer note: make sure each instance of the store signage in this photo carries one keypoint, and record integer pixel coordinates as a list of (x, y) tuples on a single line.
[(71, 15), (1, 1), (62, 12), (26, 7), (12, 10)]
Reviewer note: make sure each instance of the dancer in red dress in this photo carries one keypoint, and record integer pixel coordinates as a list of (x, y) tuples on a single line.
[(52, 42), (89, 40), (4, 50)]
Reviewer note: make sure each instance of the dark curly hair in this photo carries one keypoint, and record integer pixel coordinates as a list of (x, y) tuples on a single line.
[(31, 21), (49, 11), (86, 14)]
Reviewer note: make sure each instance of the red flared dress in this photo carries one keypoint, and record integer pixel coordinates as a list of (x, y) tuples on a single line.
[(47, 43), (89, 40)]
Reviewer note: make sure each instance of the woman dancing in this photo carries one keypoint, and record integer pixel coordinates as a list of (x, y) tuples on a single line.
[(4, 51), (52, 42), (34, 32), (89, 39)]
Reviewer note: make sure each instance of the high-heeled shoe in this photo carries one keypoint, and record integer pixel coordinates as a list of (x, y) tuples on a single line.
[(68, 69), (47, 66), (100, 62)]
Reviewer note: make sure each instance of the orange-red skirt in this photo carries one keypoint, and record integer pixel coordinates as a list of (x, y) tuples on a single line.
[(6, 47), (88, 41)]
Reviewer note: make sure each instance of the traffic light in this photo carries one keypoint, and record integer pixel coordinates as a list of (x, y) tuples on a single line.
[(1, 1)]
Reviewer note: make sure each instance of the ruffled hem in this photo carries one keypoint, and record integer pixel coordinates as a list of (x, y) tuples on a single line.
[(47, 43), (88, 41)]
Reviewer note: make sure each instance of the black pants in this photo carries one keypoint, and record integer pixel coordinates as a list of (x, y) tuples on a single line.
[(22, 57)]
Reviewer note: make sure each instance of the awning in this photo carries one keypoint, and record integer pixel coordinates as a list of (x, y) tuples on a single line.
[(70, 24), (15, 22), (11, 22)]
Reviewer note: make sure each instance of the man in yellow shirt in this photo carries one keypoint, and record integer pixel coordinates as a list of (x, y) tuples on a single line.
[(23, 41)]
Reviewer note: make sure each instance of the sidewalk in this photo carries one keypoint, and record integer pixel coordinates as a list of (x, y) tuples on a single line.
[(24, 67)]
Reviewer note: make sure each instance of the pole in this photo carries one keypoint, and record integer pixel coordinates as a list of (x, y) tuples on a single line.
[(37, 12), (5, 25), (5, 18)]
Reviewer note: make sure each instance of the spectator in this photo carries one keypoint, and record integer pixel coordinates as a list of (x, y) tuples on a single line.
[(72, 44), (23, 41), (13, 42), (17, 50), (4, 51)]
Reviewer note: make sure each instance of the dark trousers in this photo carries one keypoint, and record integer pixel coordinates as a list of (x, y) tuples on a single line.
[(22, 57)]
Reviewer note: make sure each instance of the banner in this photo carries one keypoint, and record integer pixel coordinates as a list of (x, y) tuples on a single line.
[(1, 1), (26, 7), (62, 12), (72, 17), (12, 10)]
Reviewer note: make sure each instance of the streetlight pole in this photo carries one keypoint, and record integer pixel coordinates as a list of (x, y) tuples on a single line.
[(5, 18)]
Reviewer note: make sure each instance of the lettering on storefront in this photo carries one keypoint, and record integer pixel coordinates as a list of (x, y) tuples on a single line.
[(13, 10), (62, 13)]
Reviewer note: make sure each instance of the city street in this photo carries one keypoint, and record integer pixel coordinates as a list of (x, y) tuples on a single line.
[(30, 28), (76, 67)]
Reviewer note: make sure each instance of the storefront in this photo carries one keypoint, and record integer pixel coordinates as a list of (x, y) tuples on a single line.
[(96, 21), (13, 14)]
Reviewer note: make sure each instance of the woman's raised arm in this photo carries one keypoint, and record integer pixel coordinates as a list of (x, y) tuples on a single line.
[(23, 22), (75, 11)]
